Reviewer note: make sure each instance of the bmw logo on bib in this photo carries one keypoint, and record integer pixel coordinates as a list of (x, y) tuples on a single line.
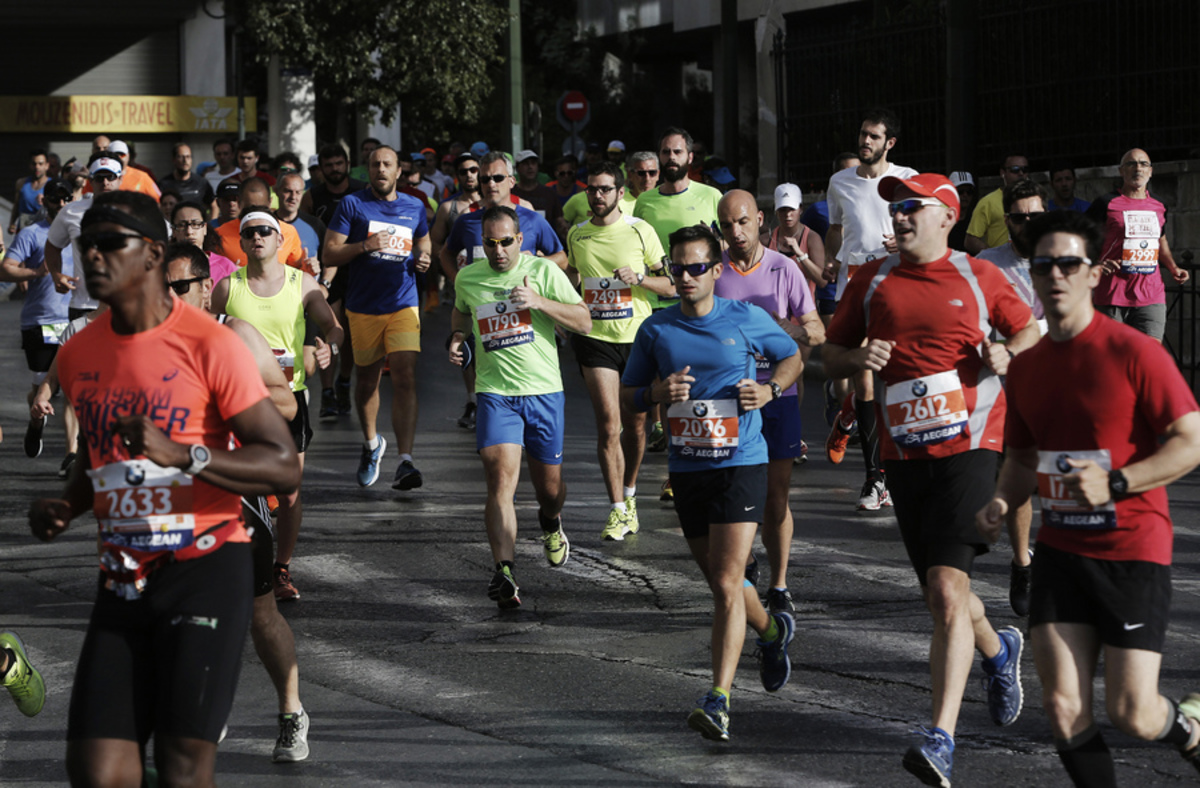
[(604, 284), (1145, 244), (1062, 464), (134, 475), (919, 388), (501, 308), (700, 409)]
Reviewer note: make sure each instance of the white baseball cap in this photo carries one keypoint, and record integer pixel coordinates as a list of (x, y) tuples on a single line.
[(959, 178), (116, 146), (522, 155), (787, 195)]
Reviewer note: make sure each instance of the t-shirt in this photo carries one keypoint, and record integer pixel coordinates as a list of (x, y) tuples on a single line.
[(697, 204), (938, 398), (709, 430), (279, 318), (135, 180), (230, 240), (515, 351), (617, 309), (63, 232), (1107, 394), (43, 305), (466, 236), (1016, 270), (214, 177), (1132, 229), (987, 222), (776, 285), (324, 201), (816, 218), (855, 204), (1076, 205), (382, 282), (578, 210), (191, 378), (220, 266), (311, 231), (194, 188), (544, 201)]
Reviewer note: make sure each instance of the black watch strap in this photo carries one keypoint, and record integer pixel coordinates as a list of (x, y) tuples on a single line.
[(1118, 485)]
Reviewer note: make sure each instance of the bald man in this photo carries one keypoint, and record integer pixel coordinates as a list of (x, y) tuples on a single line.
[(1130, 290), (767, 279)]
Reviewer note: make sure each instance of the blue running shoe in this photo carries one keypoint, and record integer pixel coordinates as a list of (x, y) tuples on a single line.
[(711, 717), (774, 665), (1004, 696), (368, 464), (932, 759)]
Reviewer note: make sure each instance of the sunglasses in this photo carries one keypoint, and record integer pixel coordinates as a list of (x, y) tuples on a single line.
[(645, 173), (104, 177), (909, 207), (106, 242), (601, 189), (261, 230), (181, 286), (1021, 218), (1018, 169), (492, 243), (1043, 266), (468, 171), (694, 269), (195, 224), (493, 178)]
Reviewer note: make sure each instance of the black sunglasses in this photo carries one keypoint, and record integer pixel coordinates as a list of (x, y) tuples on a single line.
[(1017, 168), (1021, 218), (104, 176), (1043, 266), (646, 173), (261, 230), (106, 241), (694, 269), (181, 286), (493, 178), (468, 170)]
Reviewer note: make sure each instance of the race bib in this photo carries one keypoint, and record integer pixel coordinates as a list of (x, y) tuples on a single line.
[(705, 428), (927, 410), (607, 298), (1059, 509), (1139, 256), (287, 362), (398, 239), (52, 334), (856, 260), (500, 324), (143, 506)]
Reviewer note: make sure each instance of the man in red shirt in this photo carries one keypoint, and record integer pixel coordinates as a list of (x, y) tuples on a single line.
[(926, 314), (1088, 406)]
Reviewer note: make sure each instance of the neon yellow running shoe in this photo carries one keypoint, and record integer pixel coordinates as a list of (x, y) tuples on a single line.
[(22, 680)]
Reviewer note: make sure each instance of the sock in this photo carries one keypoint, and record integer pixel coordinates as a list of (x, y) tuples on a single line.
[(992, 664), (870, 439), (405, 458), (780, 588), (724, 693), (1178, 730), (550, 526), (771, 632), (630, 492), (373, 444), (297, 713), (848, 413), (949, 739), (1087, 760), (620, 507)]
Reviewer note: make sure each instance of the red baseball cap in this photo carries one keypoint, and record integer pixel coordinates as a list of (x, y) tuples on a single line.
[(927, 184)]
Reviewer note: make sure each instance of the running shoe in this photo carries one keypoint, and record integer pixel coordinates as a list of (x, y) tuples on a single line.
[(631, 514), (292, 744), (407, 477), (779, 600), (617, 526), (836, 443), (931, 759), (22, 679), (329, 410), (33, 437), (832, 406), (1004, 697), (657, 439), (711, 717), (874, 496), (752, 569), (342, 390), (667, 495), (503, 589), (68, 462), (285, 589), (1190, 706), (272, 505), (467, 420), (801, 458), (1019, 578), (368, 464), (556, 546), (774, 665)]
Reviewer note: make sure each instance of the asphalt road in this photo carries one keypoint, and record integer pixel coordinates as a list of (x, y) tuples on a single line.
[(412, 676)]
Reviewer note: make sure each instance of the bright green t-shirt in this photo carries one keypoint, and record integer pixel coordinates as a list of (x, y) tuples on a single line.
[(515, 351), (617, 309), (697, 204), (577, 210)]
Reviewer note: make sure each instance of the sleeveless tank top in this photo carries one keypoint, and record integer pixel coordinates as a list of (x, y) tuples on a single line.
[(279, 318)]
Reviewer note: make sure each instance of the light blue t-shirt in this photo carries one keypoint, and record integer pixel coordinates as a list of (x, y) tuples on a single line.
[(43, 305)]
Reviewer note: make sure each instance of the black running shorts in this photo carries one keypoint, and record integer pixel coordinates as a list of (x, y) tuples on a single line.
[(597, 353), (258, 516), (168, 662), (38, 353), (302, 431), (726, 495)]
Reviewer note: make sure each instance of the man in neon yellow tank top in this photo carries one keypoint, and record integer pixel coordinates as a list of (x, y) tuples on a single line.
[(273, 298)]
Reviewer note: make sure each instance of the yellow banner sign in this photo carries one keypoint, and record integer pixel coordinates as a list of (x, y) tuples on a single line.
[(124, 114)]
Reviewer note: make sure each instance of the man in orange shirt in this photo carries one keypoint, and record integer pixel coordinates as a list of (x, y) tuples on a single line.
[(255, 192)]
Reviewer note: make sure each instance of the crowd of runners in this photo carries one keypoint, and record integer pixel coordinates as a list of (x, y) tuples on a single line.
[(976, 350)]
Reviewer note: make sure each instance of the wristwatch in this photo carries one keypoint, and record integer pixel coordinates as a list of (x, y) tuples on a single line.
[(1118, 485), (640, 278), (201, 457), (776, 390)]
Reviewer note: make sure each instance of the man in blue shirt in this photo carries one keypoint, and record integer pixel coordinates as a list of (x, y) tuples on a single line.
[(702, 352)]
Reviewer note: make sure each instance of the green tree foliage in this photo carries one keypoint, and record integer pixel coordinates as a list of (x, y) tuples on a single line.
[(433, 56)]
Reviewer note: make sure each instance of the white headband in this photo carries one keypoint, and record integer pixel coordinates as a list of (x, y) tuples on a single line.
[(268, 218), (105, 163)]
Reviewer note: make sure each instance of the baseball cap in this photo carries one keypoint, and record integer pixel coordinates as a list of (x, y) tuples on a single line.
[(314, 161), (428, 150), (959, 178), (787, 195), (447, 159), (522, 155), (56, 188), (718, 170), (480, 149), (594, 146), (106, 164), (616, 146), (116, 146), (466, 156), (228, 190), (927, 184)]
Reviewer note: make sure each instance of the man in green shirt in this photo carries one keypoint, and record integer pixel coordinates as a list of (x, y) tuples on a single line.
[(677, 201), (613, 257), (511, 304)]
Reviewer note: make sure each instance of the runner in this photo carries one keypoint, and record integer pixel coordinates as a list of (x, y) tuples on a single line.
[(615, 258), (512, 304), (697, 358), (188, 271), (757, 275), (173, 600), (188, 225), (921, 320), (1100, 421), (274, 299), (27, 200)]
